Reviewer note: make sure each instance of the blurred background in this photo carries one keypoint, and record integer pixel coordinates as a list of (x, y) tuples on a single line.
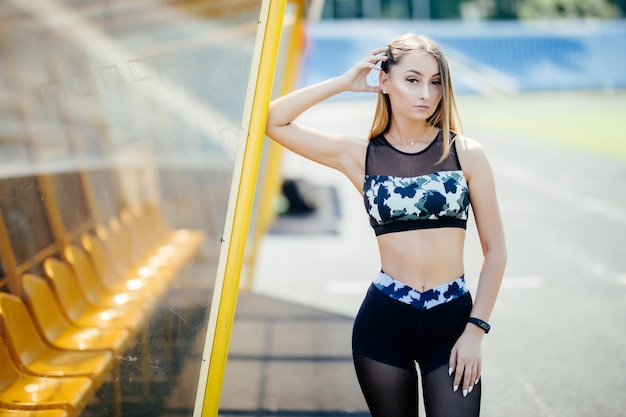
[(122, 126)]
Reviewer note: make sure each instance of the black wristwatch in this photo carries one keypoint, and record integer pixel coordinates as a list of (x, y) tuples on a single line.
[(480, 323)]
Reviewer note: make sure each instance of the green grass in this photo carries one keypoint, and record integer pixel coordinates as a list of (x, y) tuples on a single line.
[(590, 121)]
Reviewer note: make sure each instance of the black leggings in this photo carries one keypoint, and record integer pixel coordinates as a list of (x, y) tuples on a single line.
[(390, 337)]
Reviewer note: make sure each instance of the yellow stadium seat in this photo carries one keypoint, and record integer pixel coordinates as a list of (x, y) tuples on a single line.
[(148, 223), (173, 246), (143, 240), (20, 391), (61, 333), (96, 292), (187, 241), (34, 356), (123, 245), (112, 274), (5, 412), (155, 262), (77, 308), (59, 330)]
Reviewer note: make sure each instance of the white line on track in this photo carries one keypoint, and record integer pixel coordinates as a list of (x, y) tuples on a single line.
[(530, 389), (591, 205)]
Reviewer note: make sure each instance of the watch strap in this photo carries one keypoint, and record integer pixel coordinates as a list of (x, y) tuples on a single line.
[(480, 323)]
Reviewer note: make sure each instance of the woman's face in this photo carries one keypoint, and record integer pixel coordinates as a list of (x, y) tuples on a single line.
[(414, 86)]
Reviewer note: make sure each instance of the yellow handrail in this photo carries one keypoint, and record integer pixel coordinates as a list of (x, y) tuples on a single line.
[(270, 20)]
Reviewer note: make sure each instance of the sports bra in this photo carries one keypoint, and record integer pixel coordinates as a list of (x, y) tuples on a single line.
[(407, 191)]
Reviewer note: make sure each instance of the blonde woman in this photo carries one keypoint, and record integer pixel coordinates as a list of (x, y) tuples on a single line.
[(418, 176)]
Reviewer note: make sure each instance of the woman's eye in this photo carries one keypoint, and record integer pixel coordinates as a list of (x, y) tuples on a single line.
[(436, 82), (412, 80)]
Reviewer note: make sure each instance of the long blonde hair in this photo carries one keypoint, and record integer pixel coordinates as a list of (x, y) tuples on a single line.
[(446, 115)]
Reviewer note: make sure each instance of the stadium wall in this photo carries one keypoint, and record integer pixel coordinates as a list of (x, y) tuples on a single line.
[(487, 56)]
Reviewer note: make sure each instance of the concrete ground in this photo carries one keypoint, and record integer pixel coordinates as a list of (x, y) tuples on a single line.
[(558, 339)]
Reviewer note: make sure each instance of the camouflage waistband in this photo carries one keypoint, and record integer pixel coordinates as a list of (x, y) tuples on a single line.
[(420, 300)]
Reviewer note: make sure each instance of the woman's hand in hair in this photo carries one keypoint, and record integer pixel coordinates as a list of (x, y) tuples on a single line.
[(356, 77)]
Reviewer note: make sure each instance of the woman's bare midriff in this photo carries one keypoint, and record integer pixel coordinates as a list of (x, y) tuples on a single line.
[(423, 259)]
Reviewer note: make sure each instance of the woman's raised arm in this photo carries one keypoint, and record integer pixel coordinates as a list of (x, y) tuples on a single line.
[(329, 149)]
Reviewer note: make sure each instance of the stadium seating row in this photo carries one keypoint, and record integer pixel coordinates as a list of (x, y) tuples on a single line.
[(62, 337)]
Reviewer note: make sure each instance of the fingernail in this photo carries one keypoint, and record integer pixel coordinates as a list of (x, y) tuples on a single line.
[(476, 383), (450, 371), (465, 393), (456, 387), (470, 389)]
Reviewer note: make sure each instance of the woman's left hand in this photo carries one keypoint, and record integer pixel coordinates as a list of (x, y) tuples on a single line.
[(465, 360)]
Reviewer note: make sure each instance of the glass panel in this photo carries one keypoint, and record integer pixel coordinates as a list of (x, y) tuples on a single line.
[(25, 219), (104, 194), (127, 111), (70, 200)]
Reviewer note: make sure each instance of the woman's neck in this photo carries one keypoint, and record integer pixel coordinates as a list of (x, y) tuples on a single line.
[(410, 134)]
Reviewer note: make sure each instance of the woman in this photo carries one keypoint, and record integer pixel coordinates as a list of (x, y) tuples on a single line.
[(418, 176)]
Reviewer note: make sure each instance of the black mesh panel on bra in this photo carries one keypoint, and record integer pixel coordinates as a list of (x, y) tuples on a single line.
[(384, 159)]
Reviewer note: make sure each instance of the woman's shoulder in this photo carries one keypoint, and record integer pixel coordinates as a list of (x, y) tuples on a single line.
[(471, 154), (469, 148), (378, 140), (467, 144)]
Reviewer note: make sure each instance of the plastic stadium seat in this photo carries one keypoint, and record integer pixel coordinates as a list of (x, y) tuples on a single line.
[(94, 289), (154, 244), (116, 280), (32, 413), (59, 330), (20, 391), (147, 221), (36, 357), (77, 308), (143, 239), (156, 261), (126, 247), (175, 246), (61, 333)]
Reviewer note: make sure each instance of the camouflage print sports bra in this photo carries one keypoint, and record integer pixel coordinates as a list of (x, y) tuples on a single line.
[(408, 191)]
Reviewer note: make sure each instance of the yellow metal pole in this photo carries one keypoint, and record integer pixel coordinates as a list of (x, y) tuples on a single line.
[(272, 178), (243, 205)]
